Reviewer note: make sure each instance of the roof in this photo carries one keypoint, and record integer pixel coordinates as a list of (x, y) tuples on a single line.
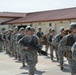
[(12, 14), (43, 16)]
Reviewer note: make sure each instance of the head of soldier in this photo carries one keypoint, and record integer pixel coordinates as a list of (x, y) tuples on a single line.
[(39, 29), (33, 31), (50, 30), (22, 30), (73, 27), (62, 30), (53, 31), (29, 30), (10, 30), (16, 29)]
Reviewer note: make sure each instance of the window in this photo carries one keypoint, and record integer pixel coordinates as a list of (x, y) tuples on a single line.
[(50, 24), (31, 25)]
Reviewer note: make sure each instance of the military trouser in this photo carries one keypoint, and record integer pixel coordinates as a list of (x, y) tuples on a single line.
[(61, 59), (9, 48), (52, 52), (23, 58), (56, 53), (73, 74), (46, 47), (6, 46), (31, 59), (31, 67), (0, 46), (14, 49), (72, 66)]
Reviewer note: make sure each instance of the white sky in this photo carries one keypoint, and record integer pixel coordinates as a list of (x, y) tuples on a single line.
[(34, 5)]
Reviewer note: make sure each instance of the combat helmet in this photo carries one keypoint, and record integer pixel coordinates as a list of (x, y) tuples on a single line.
[(28, 28), (21, 29), (73, 25)]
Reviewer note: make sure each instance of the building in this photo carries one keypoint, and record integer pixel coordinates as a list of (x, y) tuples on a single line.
[(47, 19), (9, 16)]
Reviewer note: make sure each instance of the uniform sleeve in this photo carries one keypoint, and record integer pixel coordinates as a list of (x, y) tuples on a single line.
[(21, 43), (73, 49), (62, 44), (38, 42), (61, 47), (55, 41)]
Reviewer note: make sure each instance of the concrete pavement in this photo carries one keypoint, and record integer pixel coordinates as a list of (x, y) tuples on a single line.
[(10, 66)]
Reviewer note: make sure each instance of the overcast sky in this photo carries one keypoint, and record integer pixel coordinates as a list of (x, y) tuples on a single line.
[(34, 5)]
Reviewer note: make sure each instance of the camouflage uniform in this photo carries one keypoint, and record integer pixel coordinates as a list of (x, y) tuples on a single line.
[(56, 41), (66, 44), (21, 53), (31, 53), (40, 34), (14, 42), (47, 45), (10, 46), (52, 34), (1, 41), (73, 49)]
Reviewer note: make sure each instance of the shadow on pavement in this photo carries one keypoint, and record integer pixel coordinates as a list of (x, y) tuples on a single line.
[(36, 72), (17, 61), (66, 68), (24, 73), (26, 67), (39, 72)]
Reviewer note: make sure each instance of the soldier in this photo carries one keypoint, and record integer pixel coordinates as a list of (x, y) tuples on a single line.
[(73, 49), (5, 40), (52, 34), (27, 42), (66, 44), (40, 35), (1, 41), (46, 39), (56, 41), (21, 53), (14, 41), (10, 47), (33, 31)]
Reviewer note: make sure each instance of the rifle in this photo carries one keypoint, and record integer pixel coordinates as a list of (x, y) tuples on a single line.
[(38, 49), (32, 45)]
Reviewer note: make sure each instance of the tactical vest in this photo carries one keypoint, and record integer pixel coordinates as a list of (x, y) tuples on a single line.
[(26, 42), (70, 41), (50, 38), (59, 38)]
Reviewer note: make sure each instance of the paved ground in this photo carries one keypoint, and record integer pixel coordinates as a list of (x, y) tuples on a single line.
[(10, 66)]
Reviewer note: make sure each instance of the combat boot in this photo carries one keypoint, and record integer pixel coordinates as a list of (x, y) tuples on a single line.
[(61, 67), (57, 59)]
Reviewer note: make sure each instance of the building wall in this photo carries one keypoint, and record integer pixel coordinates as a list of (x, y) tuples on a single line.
[(3, 20), (54, 24)]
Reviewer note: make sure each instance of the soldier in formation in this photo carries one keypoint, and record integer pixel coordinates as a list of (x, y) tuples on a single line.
[(21, 53), (30, 53), (9, 43), (14, 41), (40, 35), (55, 42), (50, 37), (1, 42), (66, 44)]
